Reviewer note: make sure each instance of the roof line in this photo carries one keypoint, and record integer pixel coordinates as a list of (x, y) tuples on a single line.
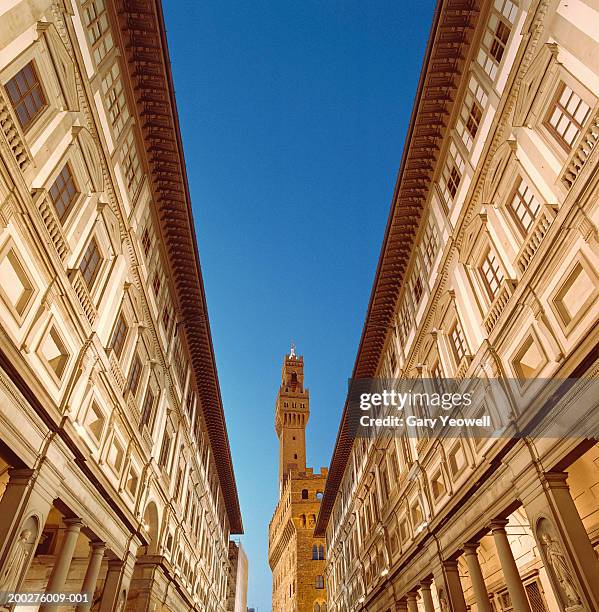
[(393, 258), (143, 29)]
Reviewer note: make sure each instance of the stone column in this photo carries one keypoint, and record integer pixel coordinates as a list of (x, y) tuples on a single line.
[(97, 550), (447, 584), (412, 601), (427, 597), (58, 577), (571, 563), (401, 606), (476, 577), (112, 584), (509, 567), (13, 499)]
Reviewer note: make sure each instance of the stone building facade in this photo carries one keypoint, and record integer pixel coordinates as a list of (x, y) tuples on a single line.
[(237, 584), (115, 470), (295, 556), (489, 268)]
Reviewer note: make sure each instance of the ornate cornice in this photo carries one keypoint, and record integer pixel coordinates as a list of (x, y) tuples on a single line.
[(449, 39), (142, 29)]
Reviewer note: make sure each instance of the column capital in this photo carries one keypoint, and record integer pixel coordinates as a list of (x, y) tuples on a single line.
[(450, 564), (498, 525), (97, 546), (73, 524), (426, 583), (20, 475), (470, 548), (412, 595)]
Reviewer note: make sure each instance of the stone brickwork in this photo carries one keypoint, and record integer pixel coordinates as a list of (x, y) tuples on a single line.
[(296, 557)]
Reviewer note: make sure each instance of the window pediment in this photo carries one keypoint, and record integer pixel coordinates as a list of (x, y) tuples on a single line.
[(531, 83), (62, 62)]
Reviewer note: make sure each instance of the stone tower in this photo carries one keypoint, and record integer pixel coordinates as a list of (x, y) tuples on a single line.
[(296, 557), (291, 417)]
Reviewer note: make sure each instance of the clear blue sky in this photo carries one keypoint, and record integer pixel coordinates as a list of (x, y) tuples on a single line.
[(293, 117)]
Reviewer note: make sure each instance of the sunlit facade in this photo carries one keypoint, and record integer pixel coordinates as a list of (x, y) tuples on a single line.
[(115, 467), (489, 268)]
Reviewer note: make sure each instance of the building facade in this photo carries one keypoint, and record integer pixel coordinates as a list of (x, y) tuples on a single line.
[(295, 556), (115, 469), (489, 268), (237, 587)]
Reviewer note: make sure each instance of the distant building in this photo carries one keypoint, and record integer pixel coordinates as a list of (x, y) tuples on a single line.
[(296, 558), (237, 587)]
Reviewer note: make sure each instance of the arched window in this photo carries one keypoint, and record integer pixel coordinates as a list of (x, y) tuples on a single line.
[(303, 520), (304, 493), (319, 583), (315, 553), (316, 607), (321, 552), (323, 607)]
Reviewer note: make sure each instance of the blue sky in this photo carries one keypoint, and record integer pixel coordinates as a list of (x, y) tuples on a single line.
[(293, 117)]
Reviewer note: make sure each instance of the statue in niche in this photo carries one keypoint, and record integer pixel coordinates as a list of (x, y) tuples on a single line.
[(443, 605), (16, 561), (558, 566)]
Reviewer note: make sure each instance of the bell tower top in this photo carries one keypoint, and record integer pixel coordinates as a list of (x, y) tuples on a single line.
[(291, 416)]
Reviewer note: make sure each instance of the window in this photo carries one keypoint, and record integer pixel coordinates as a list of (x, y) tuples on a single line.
[(458, 342), (132, 481), (496, 36), (430, 242), (315, 552), (475, 101), (438, 484), (26, 95), (392, 360), (321, 556), (567, 116), (451, 176), (90, 264), (146, 241), (523, 206), (156, 284), (63, 192), (319, 583), (115, 456), (405, 321), (457, 459), (148, 412), (119, 335), (95, 19), (16, 288), (134, 375), (55, 353), (131, 165), (491, 274), (166, 319), (94, 421), (114, 94), (417, 287), (164, 451)]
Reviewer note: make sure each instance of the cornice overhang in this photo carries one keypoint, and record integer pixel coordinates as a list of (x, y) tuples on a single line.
[(143, 32), (453, 24)]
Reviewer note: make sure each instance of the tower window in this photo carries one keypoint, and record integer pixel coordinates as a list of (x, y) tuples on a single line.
[(304, 493), (319, 582), (295, 455)]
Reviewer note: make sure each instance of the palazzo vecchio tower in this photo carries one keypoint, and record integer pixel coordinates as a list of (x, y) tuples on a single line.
[(296, 557)]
